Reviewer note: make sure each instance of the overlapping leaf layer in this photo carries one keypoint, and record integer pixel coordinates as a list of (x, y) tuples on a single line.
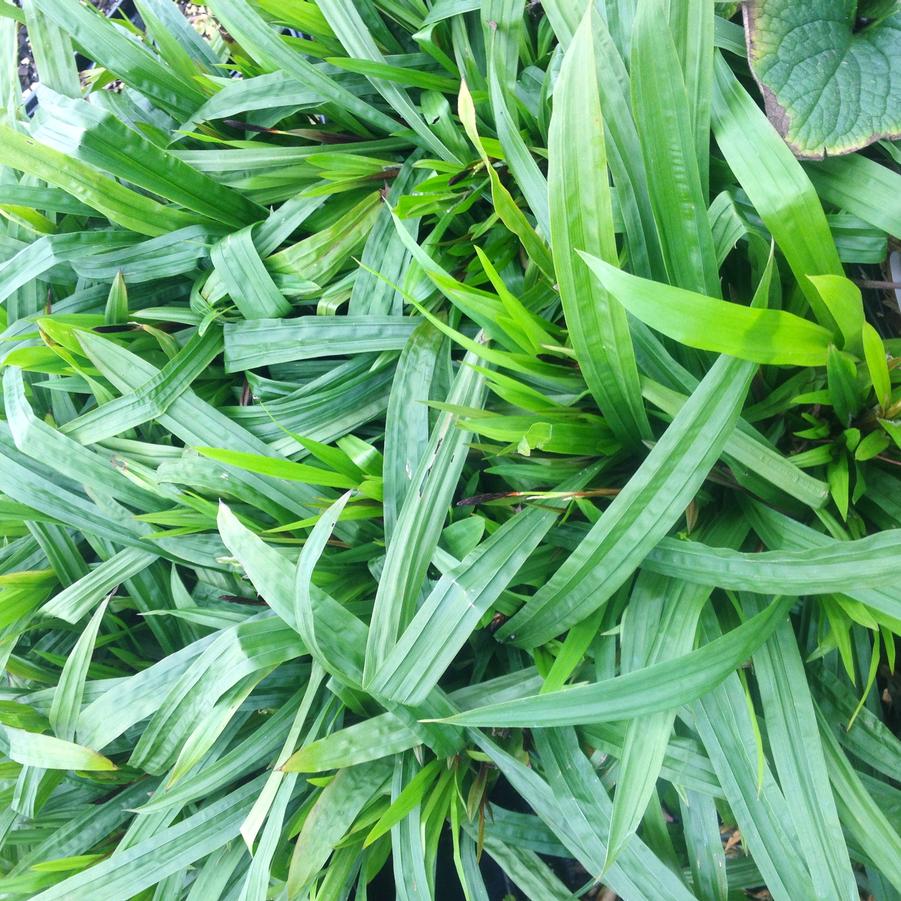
[(444, 454)]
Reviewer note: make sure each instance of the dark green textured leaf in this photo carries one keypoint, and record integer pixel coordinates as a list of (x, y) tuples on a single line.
[(830, 76)]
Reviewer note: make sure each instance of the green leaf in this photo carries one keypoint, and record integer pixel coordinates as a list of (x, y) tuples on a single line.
[(836, 566), (843, 299), (750, 450), (664, 118), (647, 738), (859, 185), (727, 731), (168, 850), (409, 464), (676, 681), (246, 24), (843, 105), (88, 133), (760, 335), (574, 805), (776, 184), (262, 342), (67, 698), (120, 204), (877, 365), (800, 762), (857, 810), (351, 30), (246, 279), (420, 521), (78, 599), (334, 812), (580, 221), (51, 753), (642, 513), (280, 469), (458, 601), (407, 417), (128, 58), (507, 210), (53, 52), (844, 393), (116, 311), (412, 794), (383, 735)]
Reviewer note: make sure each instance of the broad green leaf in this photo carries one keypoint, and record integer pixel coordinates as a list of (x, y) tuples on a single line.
[(843, 300), (116, 311), (411, 795), (153, 397), (760, 335), (458, 601), (776, 184), (723, 723), (52, 48), (280, 469), (168, 851), (306, 597), (665, 122), (859, 185), (383, 735), (261, 342), (642, 513), (261, 808), (843, 390), (845, 566), (407, 417), (529, 177), (574, 805), (778, 531), (129, 59), (246, 279), (351, 30), (85, 132), (694, 27), (830, 109), (507, 210), (751, 450), (194, 421), (333, 813), (209, 235), (856, 808), (105, 195), (40, 441), (237, 652), (800, 762), (875, 356), (625, 157), (705, 847), (676, 681), (419, 522), (67, 698), (668, 609), (254, 33), (583, 222), (51, 753)]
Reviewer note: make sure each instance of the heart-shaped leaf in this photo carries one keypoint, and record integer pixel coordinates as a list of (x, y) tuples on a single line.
[(830, 71)]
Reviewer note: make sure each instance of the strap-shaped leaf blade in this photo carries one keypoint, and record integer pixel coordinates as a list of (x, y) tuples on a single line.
[(675, 681), (581, 219), (642, 513)]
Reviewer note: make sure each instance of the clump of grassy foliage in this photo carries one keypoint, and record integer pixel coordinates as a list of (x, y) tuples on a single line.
[(450, 458)]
